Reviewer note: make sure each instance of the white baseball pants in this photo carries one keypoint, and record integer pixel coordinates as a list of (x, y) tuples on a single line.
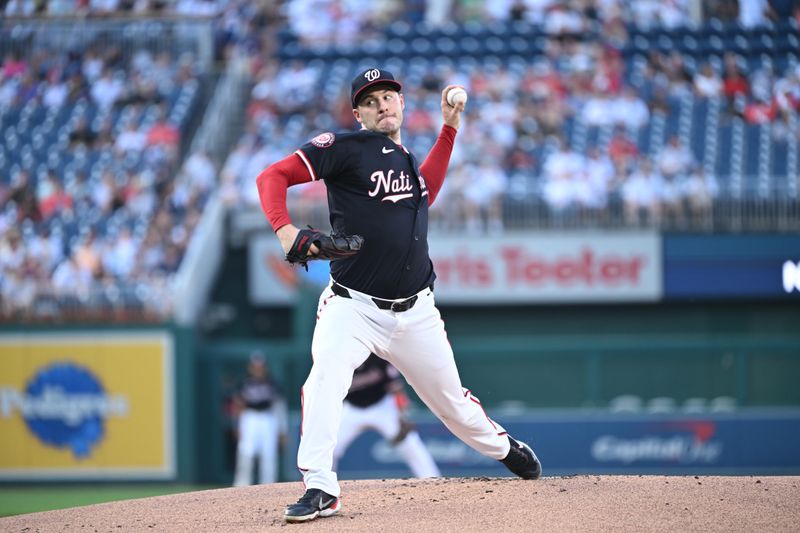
[(258, 436), (415, 342)]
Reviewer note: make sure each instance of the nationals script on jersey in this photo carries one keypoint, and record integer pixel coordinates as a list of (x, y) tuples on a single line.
[(375, 190)]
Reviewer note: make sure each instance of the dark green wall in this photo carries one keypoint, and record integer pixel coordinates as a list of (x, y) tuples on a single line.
[(585, 356), (707, 319), (588, 355)]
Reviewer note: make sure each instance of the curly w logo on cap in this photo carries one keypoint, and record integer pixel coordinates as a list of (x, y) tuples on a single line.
[(369, 78)]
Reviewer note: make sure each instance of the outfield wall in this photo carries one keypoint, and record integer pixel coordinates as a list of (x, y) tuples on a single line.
[(159, 413), (584, 376)]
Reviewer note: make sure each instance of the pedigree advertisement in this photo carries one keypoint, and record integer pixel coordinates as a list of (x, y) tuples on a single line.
[(548, 267), (93, 405)]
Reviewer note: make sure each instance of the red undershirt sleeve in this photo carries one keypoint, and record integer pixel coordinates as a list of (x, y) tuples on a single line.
[(272, 184), (434, 167)]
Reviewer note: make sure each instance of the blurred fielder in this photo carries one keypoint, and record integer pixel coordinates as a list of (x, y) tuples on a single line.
[(377, 401), (262, 424)]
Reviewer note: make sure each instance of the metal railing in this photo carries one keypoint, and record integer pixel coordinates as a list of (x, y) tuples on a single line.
[(725, 214)]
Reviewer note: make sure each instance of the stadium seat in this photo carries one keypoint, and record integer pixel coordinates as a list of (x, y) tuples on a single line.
[(471, 45), (495, 45), (398, 28)]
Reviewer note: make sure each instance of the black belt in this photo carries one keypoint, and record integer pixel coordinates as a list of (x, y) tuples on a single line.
[(398, 306)]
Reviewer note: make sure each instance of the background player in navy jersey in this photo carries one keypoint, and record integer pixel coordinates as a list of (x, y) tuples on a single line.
[(261, 424), (379, 300), (376, 401)]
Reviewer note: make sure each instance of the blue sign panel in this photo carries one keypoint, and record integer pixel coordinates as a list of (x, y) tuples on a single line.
[(720, 266), (751, 442)]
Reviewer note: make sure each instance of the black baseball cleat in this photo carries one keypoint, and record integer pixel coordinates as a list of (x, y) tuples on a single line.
[(522, 461), (312, 504)]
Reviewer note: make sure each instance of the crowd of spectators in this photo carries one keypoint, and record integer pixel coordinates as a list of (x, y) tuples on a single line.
[(337, 22), (516, 137), (97, 222), (242, 23), (105, 227), (240, 26)]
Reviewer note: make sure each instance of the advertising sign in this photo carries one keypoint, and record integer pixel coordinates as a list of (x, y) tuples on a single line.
[(528, 267), (732, 266), (93, 405), (548, 267), (758, 442)]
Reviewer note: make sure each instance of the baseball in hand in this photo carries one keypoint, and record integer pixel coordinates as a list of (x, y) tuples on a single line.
[(456, 95)]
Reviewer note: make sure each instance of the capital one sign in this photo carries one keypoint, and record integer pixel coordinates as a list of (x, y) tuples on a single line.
[(548, 267)]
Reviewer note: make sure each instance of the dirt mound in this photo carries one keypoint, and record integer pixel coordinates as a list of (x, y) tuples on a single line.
[(581, 503)]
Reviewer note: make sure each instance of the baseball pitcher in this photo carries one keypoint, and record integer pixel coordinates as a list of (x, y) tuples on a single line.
[(380, 298)]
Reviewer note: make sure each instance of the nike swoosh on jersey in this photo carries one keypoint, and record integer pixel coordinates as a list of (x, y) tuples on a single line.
[(387, 150)]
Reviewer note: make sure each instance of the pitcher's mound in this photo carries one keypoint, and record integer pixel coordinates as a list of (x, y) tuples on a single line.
[(581, 503)]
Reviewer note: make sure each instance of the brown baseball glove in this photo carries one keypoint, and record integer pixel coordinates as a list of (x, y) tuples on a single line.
[(406, 427)]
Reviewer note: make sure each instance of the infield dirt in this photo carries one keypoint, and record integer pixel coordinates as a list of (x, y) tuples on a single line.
[(579, 503)]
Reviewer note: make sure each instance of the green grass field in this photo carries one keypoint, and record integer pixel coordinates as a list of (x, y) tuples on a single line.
[(23, 499)]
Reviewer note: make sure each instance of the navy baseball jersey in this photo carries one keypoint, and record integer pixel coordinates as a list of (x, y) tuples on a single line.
[(371, 381), (258, 393), (375, 190)]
